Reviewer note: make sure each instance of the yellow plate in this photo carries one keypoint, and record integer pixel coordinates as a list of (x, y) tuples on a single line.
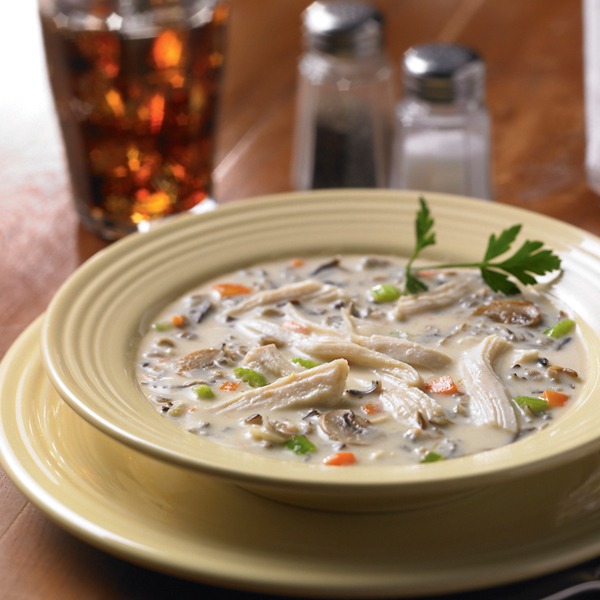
[(187, 524)]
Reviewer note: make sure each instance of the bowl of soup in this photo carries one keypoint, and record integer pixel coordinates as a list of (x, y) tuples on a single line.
[(290, 345)]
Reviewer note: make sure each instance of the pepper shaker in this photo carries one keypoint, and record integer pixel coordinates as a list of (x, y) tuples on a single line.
[(345, 100), (442, 131)]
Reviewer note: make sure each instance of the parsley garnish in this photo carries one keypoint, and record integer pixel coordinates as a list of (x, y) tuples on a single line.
[(529, 260)]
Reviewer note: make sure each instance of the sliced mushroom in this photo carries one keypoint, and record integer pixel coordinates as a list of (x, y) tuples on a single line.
[(554, 370), (511, 312), (343, 425), (198, 359)]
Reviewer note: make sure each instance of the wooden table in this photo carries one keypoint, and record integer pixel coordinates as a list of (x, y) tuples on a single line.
[(535, 94)]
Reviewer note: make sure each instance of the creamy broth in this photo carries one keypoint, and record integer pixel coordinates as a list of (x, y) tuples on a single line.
[(318, 360)]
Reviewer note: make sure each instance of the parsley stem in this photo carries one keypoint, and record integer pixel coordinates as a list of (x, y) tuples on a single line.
[(474, 265)]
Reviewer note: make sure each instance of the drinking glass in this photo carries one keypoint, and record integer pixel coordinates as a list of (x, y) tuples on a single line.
[(136, 87)]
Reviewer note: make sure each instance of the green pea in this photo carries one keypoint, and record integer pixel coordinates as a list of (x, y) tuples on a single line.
[(385, 292), (250, 376), (204, 392)]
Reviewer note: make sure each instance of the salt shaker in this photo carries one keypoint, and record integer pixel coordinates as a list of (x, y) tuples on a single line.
[(345, 99), (442, 131)]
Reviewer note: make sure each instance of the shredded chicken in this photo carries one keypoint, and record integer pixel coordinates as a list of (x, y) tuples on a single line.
[(309, 289), (268, 361), (295, 315), (320, 386), (439, 297), (408, 403), (264, 331), (328, 349), (490, 403), (409, 352)]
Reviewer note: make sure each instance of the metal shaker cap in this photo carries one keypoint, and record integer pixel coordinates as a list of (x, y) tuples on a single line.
[(443, 72), (343, 28)]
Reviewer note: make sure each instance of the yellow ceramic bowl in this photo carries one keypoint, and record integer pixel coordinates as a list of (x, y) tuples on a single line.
[(93, 327)]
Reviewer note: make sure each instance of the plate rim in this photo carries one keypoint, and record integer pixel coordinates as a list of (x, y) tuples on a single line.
[(14, 371)]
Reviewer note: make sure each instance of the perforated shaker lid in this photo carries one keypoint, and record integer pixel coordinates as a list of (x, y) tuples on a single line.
[(443, 72), (343, 28)]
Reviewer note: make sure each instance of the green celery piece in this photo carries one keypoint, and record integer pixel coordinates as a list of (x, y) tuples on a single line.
[(535, 405), (560, 329), (305, 362), (250, 376), (431, 456), (300, 444)]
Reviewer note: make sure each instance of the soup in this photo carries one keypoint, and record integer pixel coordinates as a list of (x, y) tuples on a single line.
[(323, 360)]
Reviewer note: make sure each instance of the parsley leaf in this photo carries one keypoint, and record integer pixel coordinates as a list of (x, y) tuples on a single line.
[(500, 245), (424, 237), (423, 228), (529, 260)]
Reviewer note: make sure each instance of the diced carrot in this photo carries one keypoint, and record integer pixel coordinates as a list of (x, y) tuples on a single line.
[(554, 399), (230, 386), (297, 262), (179, 320), (297, 327), (340, 459), (231, 289), (442, 385), (372, 409), (428, 272)]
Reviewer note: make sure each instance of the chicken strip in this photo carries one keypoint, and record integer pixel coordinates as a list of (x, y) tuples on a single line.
[(409, 352), (268, 361), (490, 403), (331, 348), (320, 386), (409, 404), (439, 297), (308, 289)]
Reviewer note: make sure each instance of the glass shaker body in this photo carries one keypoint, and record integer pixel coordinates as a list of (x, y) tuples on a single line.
[(343, 122), (442, 130), (442, 147), (345, 99)]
